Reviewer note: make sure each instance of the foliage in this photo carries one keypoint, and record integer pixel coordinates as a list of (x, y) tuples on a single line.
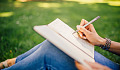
[(18, 18)]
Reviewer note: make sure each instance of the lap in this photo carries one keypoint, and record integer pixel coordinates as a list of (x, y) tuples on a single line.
[(68, 61), (47, 56), (60, 60), (57, 59)]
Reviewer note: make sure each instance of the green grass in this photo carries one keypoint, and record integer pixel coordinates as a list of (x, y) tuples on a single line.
[(17, 20)]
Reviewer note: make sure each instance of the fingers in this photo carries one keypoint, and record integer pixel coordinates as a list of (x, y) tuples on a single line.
[(90, 26), (81, 34), (82, 29), (92, 29), (94, 65), (82, 22), (84, 32), (80, 66), (97, 66), (87, 27)]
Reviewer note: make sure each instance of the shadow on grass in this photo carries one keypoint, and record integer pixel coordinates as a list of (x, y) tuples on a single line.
[(16, 31)]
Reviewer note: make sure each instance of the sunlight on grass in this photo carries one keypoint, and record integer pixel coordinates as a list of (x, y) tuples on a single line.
[(48, 5), (23, 0), (6, 14), (18, 4), (112, 3)]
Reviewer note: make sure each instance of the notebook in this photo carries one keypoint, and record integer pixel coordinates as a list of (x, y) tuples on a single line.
[(60, 34)]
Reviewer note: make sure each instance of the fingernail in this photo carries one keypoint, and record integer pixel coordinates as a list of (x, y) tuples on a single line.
[(84, 38), (78, 26), (80, 35)]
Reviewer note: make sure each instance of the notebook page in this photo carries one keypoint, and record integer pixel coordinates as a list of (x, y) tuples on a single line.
[(64, 30), (62, 44)]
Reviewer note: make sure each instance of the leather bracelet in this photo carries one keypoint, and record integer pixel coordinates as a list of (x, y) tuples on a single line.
[(107, 44)]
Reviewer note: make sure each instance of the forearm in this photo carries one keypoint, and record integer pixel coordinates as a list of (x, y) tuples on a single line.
[(115, 47)]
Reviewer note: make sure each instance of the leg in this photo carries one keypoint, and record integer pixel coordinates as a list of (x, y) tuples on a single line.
[(12, 61), (20, 57), (104, 61), (49, 57), (45, 57)]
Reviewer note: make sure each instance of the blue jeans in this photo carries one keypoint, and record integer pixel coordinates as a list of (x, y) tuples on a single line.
[(46, 56)]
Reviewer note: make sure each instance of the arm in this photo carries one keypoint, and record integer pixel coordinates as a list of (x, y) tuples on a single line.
[(91, 35), (115, 47)]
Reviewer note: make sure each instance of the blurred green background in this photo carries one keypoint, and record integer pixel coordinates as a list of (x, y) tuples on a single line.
[(17, 19)]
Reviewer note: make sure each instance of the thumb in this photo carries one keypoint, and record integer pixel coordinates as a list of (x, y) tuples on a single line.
[(82, 29)]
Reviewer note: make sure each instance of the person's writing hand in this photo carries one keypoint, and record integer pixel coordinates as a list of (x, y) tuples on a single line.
[(89, 33), (94, 66)]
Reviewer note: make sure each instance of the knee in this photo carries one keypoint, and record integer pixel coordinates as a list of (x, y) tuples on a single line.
[(55, 57)]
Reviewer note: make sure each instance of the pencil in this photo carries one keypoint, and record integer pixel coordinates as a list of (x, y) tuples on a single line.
[(88, 23)]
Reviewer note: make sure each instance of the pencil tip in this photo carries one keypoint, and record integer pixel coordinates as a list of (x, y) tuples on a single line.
[(73, 32)]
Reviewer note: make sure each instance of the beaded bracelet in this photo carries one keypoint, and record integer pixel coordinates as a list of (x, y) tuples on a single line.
[(107, 44)]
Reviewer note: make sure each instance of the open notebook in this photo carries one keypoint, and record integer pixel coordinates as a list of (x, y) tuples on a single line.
[(60, 34)]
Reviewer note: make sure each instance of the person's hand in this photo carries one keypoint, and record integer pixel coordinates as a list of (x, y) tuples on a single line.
[(94, 66), (89, 33)]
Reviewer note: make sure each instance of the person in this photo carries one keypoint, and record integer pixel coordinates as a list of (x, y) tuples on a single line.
[(46, 56)]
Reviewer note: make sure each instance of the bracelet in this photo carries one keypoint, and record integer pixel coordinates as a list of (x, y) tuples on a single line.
[(107, 44)]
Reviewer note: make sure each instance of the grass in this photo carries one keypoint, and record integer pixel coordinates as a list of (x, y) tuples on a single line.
[(18, 18)]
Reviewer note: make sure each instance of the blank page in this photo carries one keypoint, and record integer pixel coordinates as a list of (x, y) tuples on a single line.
[(63, 44), (65, 31)]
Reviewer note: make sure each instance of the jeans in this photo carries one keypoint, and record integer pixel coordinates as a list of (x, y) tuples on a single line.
[(46, 56)]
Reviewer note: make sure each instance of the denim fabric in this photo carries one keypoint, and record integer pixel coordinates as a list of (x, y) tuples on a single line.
[(104, 61), (46, 56)]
